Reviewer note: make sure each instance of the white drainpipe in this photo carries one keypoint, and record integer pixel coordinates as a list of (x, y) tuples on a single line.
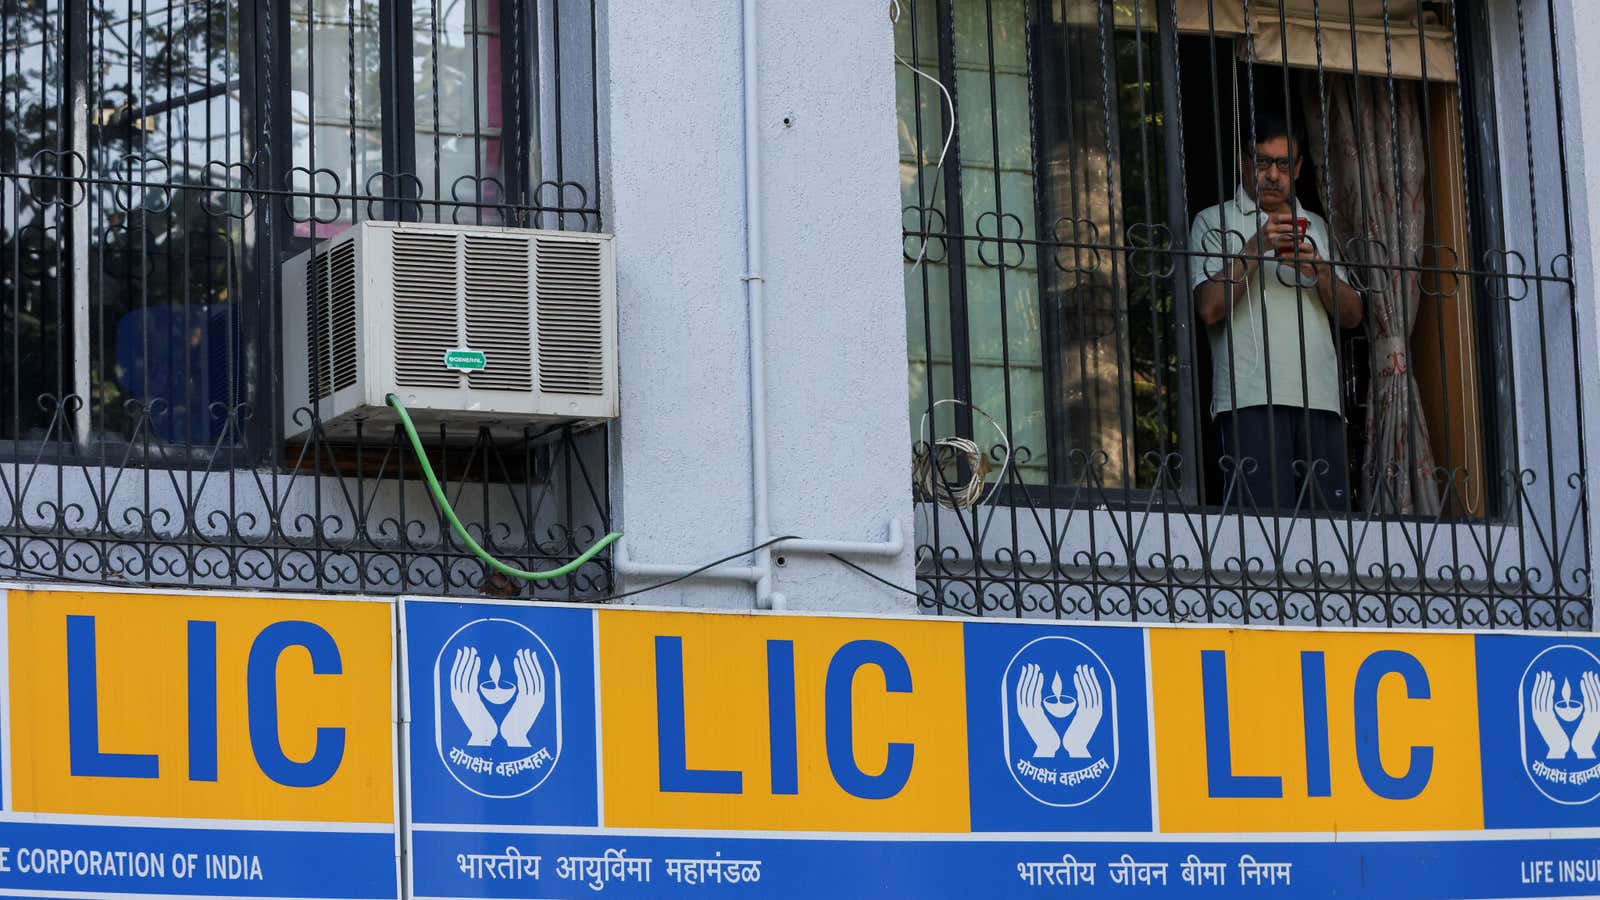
[(759, 572), (755, 290)]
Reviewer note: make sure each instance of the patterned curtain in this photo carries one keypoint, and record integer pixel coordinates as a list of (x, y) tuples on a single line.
[(1377, 177)]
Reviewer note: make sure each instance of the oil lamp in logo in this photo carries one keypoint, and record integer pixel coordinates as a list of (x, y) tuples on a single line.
[(1055, 704), (494, 690)]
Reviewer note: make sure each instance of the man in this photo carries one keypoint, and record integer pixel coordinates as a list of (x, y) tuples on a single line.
[(1269, 289)]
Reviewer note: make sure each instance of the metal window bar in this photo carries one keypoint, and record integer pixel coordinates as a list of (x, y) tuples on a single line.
[(141, 231), (1440, 486)]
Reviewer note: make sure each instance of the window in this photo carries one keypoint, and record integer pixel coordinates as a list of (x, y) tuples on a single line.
[(442, 156), (1056, 298), (140, 241), (1074, 312), (140, 244)]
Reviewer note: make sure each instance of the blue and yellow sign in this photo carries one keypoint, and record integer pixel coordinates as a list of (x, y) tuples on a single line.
[(780, 756), (734, 722), (234, 713), (1298, 731), (502, 727), (248, 746)]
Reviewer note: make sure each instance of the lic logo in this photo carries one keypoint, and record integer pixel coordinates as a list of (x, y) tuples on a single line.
[(1059, 717), (1559, 710), (497, 708)]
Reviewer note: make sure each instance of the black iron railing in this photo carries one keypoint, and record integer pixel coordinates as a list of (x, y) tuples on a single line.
[(158, 162)]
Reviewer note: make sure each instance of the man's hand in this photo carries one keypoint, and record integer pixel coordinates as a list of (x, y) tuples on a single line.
[(1306, 259), (1277, 233), (1214, 298), (1342, 301)]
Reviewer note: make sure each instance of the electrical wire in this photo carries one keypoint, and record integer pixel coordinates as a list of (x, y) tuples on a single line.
[(927, 472), (949, 137), (692, 573), (443, 503), (876, 577), (101, 581)]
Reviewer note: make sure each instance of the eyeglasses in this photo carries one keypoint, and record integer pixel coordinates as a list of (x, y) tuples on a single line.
[(1284, 164)]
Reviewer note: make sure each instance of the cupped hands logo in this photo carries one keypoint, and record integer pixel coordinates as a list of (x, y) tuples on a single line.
[(472, 698), (1080, 712), (500, 734), (1560, 698), (1060, 744)]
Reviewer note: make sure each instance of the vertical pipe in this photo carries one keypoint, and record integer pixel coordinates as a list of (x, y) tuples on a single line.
[(755, 297)]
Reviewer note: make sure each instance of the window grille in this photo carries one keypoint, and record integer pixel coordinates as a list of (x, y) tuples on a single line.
[(159, 160), (1371, 415)]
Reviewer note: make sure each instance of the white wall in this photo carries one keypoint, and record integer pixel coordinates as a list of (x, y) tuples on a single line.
[(672, 133), (1578, 27)]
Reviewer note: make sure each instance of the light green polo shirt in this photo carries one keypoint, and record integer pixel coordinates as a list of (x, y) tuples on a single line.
[(1275, 327)]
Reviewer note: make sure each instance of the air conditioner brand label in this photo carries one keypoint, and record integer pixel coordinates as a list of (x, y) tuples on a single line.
[(462, 360)]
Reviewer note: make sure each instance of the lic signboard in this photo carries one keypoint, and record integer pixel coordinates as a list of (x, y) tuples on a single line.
[(247, 746), (198, 745)]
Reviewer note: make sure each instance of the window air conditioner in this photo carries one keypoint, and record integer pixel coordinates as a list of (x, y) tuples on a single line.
[(468, 325)]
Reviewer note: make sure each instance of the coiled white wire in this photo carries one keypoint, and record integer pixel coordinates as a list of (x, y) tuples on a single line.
[(928, 470)]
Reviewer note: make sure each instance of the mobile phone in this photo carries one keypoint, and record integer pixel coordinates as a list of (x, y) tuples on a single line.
[(1287, 243)]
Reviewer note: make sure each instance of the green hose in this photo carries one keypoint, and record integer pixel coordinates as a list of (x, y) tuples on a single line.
[(461, 530)]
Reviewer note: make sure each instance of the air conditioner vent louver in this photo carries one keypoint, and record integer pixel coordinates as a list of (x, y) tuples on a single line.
[(477, 328), (499, 300), (331, 307), (425, 326), (571, 317)]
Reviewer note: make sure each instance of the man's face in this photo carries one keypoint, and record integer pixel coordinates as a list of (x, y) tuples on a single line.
[(1270, 170)]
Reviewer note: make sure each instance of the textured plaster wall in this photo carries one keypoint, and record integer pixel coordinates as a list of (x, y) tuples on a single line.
[(839, 453), (1578, 30)]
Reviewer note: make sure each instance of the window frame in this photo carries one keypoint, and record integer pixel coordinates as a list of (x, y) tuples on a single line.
[(265, 84), (1476, 91)]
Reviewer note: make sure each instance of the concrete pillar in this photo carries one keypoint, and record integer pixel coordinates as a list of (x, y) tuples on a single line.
[(839, 446)]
